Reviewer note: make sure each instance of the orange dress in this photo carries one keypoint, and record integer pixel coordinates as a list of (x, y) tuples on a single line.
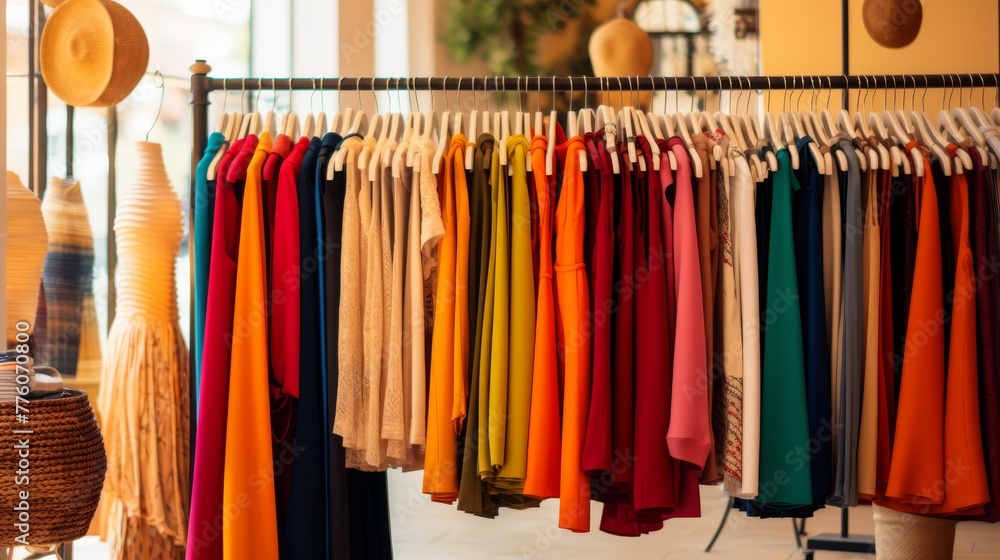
[(937, 457), (249, 477), (446, 406), (544, 440), (572, 338)]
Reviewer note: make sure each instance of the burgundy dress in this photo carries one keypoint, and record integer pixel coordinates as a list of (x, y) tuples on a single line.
[(598, 457)]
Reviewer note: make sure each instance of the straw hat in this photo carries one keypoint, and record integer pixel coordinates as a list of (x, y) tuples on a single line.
[(93, 52)]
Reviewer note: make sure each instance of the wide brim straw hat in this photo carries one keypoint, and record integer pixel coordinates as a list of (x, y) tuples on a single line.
[(93, 52)]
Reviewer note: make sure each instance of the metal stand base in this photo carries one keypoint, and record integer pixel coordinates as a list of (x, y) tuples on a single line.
[(796, 528), (836, 542)]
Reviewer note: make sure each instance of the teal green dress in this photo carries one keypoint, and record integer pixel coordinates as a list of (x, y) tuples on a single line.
[(204, 193), (785, 478)]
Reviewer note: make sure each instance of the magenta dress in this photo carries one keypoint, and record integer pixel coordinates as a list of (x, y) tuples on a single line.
[(205, 525)]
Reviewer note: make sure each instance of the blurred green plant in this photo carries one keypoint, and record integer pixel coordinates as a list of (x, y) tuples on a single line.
[(506, 34)]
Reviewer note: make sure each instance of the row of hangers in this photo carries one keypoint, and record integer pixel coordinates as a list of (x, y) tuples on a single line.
[(754, 137)]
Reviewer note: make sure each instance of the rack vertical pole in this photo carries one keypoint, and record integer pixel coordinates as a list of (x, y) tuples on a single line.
[(199, 132)]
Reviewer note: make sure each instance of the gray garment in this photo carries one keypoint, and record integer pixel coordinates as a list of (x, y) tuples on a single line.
[(845, 490)]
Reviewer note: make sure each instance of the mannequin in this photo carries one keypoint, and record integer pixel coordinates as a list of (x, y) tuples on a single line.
[(27, 243), (143, 403)]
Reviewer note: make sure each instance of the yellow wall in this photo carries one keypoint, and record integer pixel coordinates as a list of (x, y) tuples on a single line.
[(804, 37)]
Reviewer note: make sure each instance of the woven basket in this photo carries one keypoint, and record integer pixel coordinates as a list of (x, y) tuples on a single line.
[(66, 470)]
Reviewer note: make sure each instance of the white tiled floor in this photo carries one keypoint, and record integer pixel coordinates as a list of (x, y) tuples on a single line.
[(423, 530)]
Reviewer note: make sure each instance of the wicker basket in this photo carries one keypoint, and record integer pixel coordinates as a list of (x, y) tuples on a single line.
[(66, 469)]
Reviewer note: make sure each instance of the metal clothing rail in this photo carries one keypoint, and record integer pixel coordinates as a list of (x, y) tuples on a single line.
[(202, 85), (531, 84)]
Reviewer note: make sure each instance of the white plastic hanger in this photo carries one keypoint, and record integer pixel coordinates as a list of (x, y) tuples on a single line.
[(444, 136), (729, 127), (813, 121), (745, 125), (504, 130), (653, 124), (394, 120), (682, 130), (963, 116), (624, 120), (930, 136), (321, 129), (879, 155), (358, 125), (888, 122), (605, 120), (470, 146), (550, 148), (573, 124)]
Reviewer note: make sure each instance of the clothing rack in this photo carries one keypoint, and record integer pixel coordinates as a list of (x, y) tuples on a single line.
[(202, 85)]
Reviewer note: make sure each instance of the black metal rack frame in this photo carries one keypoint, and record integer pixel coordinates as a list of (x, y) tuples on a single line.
[(202, 85)]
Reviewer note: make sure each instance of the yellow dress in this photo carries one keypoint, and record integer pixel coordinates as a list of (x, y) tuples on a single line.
[(521, 323), (500, 354)]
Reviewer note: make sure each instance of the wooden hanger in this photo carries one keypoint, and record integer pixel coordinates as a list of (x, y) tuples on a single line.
[(345, 126), (227, 127)]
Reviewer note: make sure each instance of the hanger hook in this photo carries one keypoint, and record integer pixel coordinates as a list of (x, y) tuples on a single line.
[(586, 93), (225, 94), (664, 78), (570, 94), (982, 97), (244, 95), (750, 91), (322, 97), (312, 96), (274, 93), (256, 102), (520, 108), (357, 89), (340, 93), (923, 95), (767, 96), (158, 84), (445, 89)]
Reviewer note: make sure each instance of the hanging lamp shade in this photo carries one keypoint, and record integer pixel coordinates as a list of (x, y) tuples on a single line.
[(892, 23), (93, 52), (27, 242)]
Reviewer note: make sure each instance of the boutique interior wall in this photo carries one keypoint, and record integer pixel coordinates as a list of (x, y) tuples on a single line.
[(804, 38)]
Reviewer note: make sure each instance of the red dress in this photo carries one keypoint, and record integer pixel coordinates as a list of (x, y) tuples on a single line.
[(598, 457), (654, 470), (205, 524)]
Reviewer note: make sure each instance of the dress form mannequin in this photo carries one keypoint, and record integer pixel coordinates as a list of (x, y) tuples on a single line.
[(143, 403), (27, 242)]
